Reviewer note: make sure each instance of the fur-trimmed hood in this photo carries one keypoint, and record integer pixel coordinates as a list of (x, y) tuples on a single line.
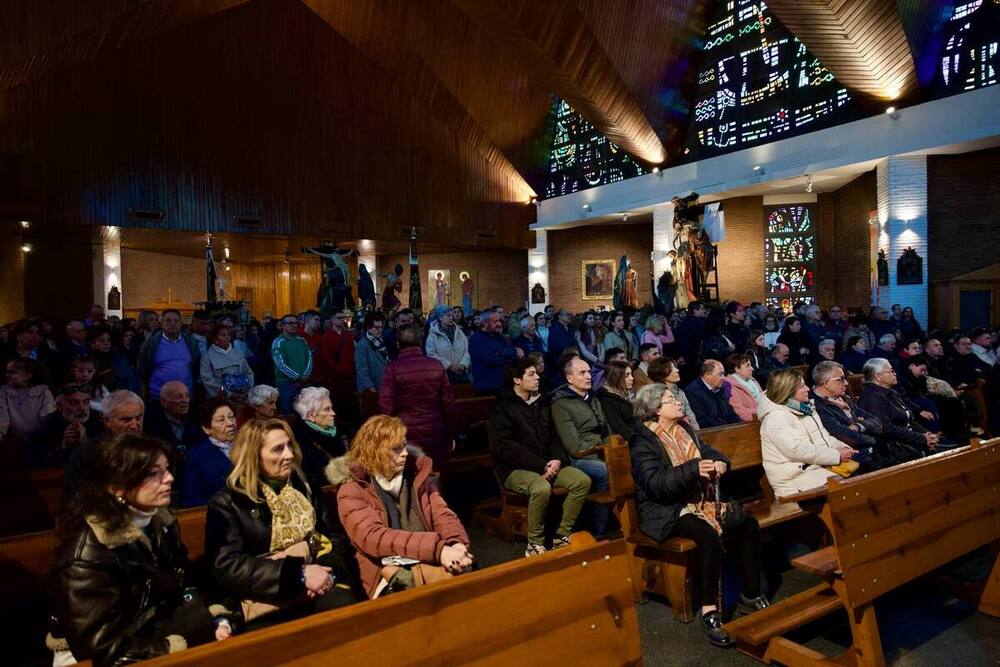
[(128, 533), (344, 469)]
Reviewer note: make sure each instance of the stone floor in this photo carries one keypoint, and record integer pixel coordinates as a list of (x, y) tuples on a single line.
[(917, 629)]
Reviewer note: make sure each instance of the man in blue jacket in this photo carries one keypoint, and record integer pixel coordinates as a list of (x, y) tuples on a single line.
[(705, 395), (560, 337), (843, 418), (490, 352)]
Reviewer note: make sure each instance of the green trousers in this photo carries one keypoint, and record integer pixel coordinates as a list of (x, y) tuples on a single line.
[(539, 490)]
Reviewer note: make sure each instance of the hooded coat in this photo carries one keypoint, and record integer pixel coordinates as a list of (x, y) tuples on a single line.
[(794, 447), (445, 351), (366, 520)]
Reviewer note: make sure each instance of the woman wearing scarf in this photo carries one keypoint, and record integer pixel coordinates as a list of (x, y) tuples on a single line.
[(207, 464), (794, 443), (271, 548), (316, 433), (675, 476), (223, 359), (744, 392), (447, 344)]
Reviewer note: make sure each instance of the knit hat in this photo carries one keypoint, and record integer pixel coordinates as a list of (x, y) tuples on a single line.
[(440, 312)]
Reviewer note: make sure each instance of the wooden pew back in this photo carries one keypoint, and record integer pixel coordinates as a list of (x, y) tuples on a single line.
[(572, 605), (893, 526), (855, 383), (740, 442)]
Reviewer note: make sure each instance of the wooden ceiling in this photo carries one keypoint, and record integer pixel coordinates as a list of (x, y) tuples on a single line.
[(355, 119), (861, 41)]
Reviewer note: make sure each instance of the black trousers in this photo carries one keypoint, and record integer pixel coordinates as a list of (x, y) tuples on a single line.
[(740, 531)]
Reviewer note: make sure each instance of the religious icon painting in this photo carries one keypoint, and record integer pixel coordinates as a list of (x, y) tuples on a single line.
[(598, 279), (439, 287), (466, 291)]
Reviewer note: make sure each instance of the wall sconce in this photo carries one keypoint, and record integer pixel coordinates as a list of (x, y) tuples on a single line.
[(27, 247)]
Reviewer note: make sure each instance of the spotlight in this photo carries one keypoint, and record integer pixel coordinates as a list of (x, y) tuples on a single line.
[(625, 217), (226, 252), (586, 207), (656, 170), (809, 183), (26, 247), (892, 112), (533, 200), (228, 268), (757, 167), (25, 224)]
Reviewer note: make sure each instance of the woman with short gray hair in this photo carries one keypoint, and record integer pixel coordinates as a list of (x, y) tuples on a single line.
[(316, 433), (676, 479), (262, 403)]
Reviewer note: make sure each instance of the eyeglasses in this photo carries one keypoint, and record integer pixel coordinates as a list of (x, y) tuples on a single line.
[(840, 379), (288, 322)]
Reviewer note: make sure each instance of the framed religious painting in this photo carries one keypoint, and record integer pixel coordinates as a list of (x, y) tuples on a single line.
[(466, 291), (438, 288), (598, 279)]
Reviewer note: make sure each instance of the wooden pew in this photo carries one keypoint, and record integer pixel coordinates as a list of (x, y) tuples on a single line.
[(665, 569), (25, 561), (571, 606), (855, 383), (978, 394), (36, 494), (741, 443), (888, 528)]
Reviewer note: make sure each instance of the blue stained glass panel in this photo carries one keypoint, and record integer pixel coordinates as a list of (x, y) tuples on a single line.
[(784, 249)]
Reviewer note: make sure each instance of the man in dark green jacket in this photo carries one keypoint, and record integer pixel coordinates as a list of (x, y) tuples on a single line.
[(580, 423)]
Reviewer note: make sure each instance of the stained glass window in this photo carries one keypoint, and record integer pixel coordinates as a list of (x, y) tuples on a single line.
[(789, 255), (582, 157), (759, 83), (971, 57)]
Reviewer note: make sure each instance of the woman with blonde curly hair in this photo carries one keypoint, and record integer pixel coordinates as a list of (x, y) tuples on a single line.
[(267, 536), (404, 533)]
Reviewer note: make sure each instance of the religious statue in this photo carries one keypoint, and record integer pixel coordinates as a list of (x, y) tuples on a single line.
[(334, 294), (909, 268), (666, 287), (393, 287), (695, 254), (366, 288), (440, 290), (416, 300), (467, 287), (538, 293), (882, 267), (630, 297)]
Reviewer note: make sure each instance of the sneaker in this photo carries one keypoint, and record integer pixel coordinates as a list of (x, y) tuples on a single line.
[(711, 623), (534, 550), (754, 604), (560, 542)]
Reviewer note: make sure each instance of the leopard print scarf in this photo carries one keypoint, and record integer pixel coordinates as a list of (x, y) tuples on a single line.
[(292, 516)]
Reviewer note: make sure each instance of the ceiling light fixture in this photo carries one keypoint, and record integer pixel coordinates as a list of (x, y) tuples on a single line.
[(625, 217), (586, 207), (26, 247), (25, 224), (533, 200), (892, 112)]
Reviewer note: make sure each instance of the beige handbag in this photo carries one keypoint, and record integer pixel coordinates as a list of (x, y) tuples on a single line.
[(255, 609)]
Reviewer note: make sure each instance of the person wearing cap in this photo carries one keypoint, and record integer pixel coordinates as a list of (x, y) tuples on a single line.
[(70, 426), (448, 345)]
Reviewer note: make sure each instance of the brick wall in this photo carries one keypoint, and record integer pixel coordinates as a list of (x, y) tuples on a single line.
[(11, 273), (963, 213), (568, 249), (741, 255), (851, 279), (502, 275)]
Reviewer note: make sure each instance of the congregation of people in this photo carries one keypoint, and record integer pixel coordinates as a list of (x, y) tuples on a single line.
[(306, 513)]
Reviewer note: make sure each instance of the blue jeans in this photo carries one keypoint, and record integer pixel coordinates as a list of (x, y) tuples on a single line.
[(287, 392), (597, 471)]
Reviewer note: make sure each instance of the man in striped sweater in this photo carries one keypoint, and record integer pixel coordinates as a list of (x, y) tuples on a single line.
[(292, 362)]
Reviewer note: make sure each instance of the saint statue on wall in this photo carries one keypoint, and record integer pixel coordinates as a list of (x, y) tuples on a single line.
[(467, 288), (393, 288), (882, 266), (366, 288), (630, 298)]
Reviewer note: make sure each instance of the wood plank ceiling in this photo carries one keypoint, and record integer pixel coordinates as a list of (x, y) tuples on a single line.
[(357, 119), (862, 42)]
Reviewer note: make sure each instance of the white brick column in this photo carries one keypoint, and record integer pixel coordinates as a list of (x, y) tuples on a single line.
[(107, 261), (663, 238), (538, 269), (902, 219)]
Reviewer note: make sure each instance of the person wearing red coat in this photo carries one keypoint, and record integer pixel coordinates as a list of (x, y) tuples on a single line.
[(390, 506), (415, 388)]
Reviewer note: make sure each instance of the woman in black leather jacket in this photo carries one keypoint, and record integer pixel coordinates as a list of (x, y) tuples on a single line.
[(267, 536), (118, 584)]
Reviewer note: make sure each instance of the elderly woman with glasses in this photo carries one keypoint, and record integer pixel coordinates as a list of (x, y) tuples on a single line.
[(404, 533), (676, 479), (271, 548)]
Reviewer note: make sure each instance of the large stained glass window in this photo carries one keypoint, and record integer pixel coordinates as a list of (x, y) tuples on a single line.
[(582, 157), (759, 83), (971, 57), (789, 255)]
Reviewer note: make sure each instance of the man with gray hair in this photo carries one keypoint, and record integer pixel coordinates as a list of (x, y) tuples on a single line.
[(122, 412), (886, 346), (842, 417), (904, 437)]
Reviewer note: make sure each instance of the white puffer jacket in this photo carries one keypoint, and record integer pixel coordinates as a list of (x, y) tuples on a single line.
[(439, 347), (794, 446)]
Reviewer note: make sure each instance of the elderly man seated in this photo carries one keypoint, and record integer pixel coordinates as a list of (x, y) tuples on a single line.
[(842, 417), (905, 439), (707, 399)]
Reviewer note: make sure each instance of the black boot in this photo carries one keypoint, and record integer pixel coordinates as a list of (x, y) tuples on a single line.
[(711, 623), (754, 604)]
